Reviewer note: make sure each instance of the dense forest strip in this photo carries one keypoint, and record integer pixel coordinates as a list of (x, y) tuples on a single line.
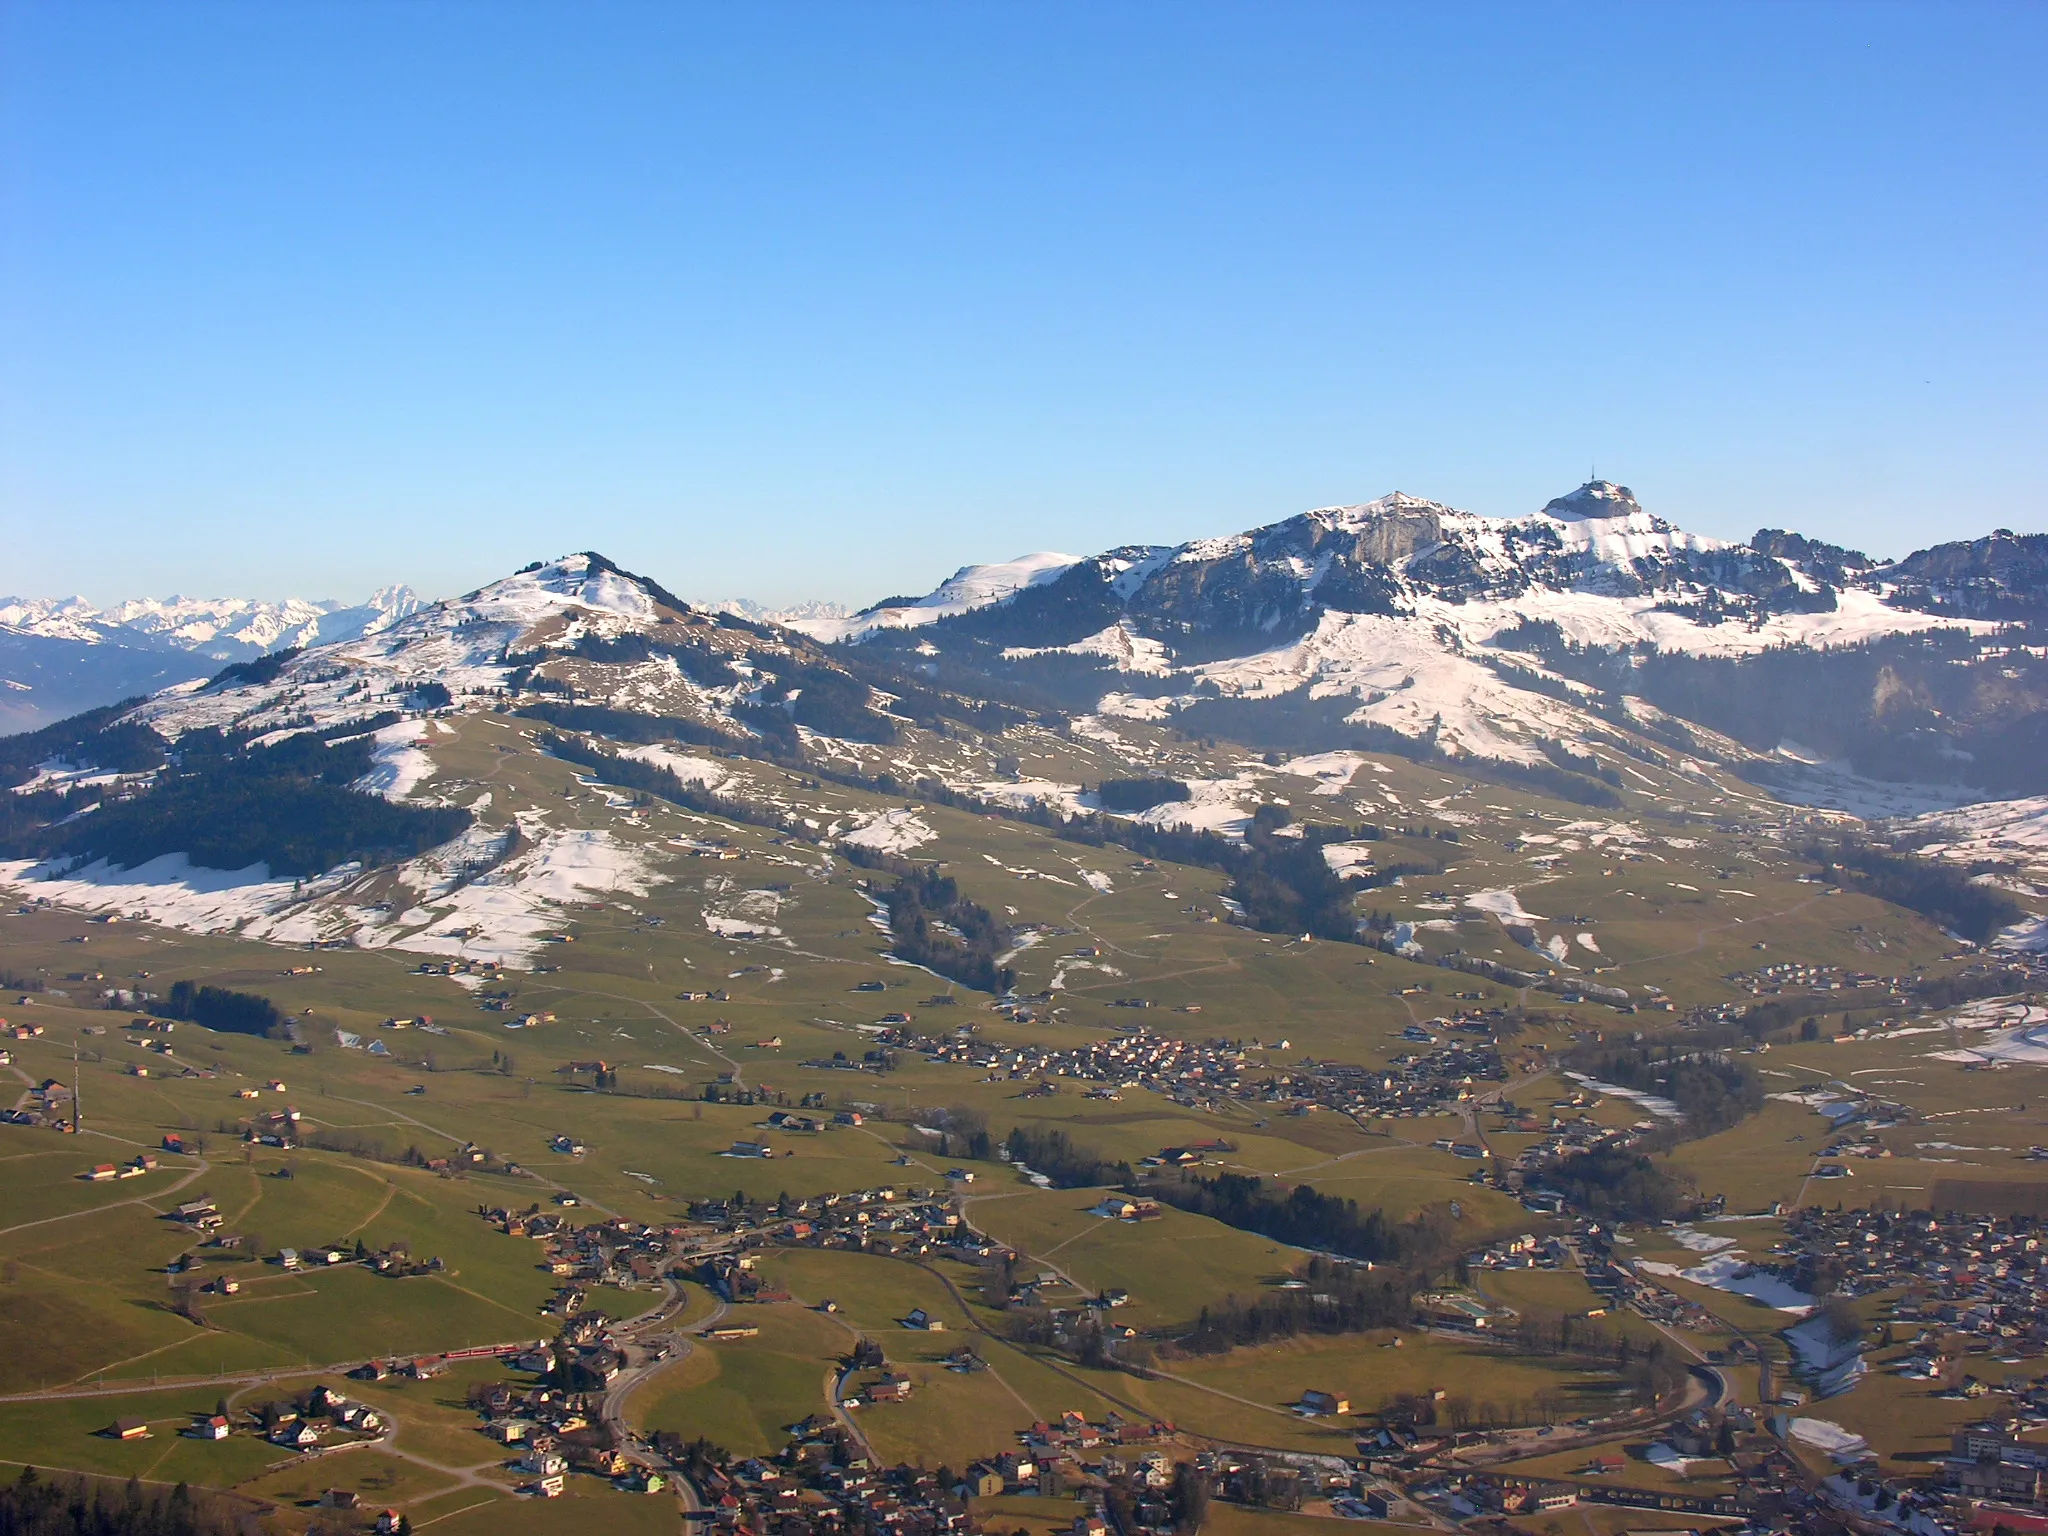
[(217, 1008), (934, 925), (228, 804), (1944, 894)]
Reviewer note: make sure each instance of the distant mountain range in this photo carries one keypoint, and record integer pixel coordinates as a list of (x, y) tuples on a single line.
[(765, 613), (62, 655)]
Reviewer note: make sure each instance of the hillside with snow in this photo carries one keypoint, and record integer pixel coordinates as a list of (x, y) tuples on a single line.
[(1557, 655), (59, 656)]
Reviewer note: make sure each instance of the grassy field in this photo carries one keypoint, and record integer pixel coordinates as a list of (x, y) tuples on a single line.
[(744, 1394), (1369, 1370), (68, 1433), (1171, 1266), (1033, 1516), (1237, 1520)]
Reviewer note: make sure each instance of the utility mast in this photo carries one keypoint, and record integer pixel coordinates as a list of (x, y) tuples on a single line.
[(77, 1104)]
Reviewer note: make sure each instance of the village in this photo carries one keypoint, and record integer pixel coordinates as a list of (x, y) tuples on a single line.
[(1200, 1074)]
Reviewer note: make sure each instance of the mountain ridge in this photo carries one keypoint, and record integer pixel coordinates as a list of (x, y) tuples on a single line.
[(1511, 640)]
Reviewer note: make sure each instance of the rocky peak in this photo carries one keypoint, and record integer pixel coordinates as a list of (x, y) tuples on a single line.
[(1595, 500)]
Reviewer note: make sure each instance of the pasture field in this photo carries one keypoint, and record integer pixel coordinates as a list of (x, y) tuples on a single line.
[(1238, 1520), (70, 1433), (377, 1478), (743, 1394), (587, 1505), (1708, 1477), (72, 1314), (1615, 1520), (1171, 1266), (1903, 1420), (873, 1294), (1005, 1516), (1370, 1370)]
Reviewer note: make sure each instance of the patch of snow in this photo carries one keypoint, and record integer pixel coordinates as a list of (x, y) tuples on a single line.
[(1028, 792), (1834, 785), (1662, 1108), (1121, 645), (2013, 1031), (169, 890), (969, 588), (506, 913), (690, 769), (1729, 1271), (1332, 770), (1349, 860), (397, 763), (897, 831), (1834, 1365), (1503, 904), (1663, 1455), (1824, 1435)]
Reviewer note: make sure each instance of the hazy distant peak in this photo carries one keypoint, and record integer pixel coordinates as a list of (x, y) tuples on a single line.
[(766, 613)]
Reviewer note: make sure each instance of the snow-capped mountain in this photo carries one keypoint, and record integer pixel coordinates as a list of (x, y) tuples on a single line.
[(969, 588), (62, 655), (220, 629), (1593, 561), (1482, 635), (465, 645), (1522, 640), (767, 613)]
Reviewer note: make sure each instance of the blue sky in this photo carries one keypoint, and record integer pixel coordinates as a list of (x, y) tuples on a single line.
[(827, 300)]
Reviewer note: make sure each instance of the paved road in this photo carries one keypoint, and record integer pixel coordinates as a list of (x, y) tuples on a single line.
[(659, 1345)]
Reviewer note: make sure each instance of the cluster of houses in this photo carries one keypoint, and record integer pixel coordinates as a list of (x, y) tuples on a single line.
[(1980, 1277), (49, 1107), (887, 1219), (1195, 1073), (549, 1431), (823, 1483), (1138, 1059), (135, 1167), (617, 1251), (1567, 1131), (1988, 1463), (1797, 976), (322, 1416)]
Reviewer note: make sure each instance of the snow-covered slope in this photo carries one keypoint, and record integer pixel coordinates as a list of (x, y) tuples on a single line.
[(1594, 562), (969, 588)]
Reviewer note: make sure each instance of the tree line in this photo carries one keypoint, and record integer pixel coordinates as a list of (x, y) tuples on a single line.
[(36, 1505), (217, 1008), (1945, 894), (1069, 1166), (227, 803), (1302, 1217)]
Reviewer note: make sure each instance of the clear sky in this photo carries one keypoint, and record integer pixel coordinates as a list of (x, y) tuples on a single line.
[(826, 300)]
